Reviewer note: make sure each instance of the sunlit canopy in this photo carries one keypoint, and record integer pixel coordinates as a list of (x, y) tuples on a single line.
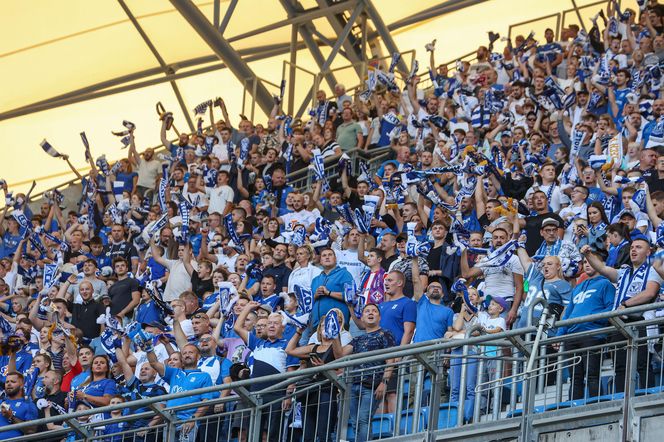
[(50, 48)]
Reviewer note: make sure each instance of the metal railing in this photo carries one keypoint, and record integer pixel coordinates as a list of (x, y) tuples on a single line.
[(493, 381)]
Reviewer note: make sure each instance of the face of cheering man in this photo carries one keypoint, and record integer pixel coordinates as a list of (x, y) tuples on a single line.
[(639, 251), (190, 355)]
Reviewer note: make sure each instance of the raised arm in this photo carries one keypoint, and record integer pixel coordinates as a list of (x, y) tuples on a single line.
[(597, 264), (239, 322)]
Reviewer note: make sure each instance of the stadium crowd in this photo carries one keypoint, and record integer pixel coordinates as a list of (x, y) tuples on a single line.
[(535, 172)]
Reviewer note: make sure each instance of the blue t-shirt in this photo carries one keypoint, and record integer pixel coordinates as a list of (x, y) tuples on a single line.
[(80, 379), (471, 223), (393, 315), (158, 270), (23, 363), (433, 320), (127, 179), (187, 380), (24, 410), (621, 100), (101, 387), (148, 312), (10, 244), (334, 281), (549, 51)]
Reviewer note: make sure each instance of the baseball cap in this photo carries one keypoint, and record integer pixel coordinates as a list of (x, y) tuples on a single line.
[(266, 307), (628, 213), (550, 222), (499, 300)]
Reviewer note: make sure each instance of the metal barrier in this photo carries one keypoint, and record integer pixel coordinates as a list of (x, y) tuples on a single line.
[(337, 399)]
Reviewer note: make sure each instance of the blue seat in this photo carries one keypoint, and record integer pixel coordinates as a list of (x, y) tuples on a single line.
[(404, 394), (651, 390), (382, 426), (447, 416), (406, 424), (604, 398)]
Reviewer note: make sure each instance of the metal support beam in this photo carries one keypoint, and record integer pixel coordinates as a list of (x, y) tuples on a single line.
[(343, 37), (302, 17), (227, 17), (384, 33), (622, 328), (223, 49), (90, 93), (578, 15), (162, 63), (292, 10), (332, 376), (79, 428), (216, 12), (244, 394), (349, 45), (328, 42), (291, 69)]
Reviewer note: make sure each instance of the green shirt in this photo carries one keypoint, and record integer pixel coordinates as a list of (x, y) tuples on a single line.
[(347, 135)]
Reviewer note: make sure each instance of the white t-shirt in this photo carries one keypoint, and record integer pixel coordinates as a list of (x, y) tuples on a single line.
[(490, 323), (221, 151), (178, 280), (228, 261), (348, 260), (574, 211), (302, 276), (304, 217), (219, 197), (500, 280)]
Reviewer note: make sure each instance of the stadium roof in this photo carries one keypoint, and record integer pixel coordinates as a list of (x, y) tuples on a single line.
[(86, 65)]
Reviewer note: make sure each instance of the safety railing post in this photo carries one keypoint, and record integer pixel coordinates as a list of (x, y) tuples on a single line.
[(631, 369), (497, 393), (515, 386), (477, 406), (464, 373), (344, 406), (400, 378), (559, 375), (254, 432), (417, 405)]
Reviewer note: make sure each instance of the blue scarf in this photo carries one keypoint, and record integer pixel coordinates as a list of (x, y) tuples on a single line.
[(613, 253)]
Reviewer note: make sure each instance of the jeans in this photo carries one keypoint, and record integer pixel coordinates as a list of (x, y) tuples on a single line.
[(586, 373), (362, 407), (471, 381)]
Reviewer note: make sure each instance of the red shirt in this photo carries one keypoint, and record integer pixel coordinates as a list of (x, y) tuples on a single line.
[(71, 374)]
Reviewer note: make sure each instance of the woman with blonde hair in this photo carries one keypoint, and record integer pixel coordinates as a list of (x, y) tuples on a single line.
[(304, 270)]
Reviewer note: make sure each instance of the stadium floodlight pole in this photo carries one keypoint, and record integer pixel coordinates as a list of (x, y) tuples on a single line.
[(223, 50), (160, 59)]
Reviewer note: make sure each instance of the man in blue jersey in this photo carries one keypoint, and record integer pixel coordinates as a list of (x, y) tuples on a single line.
[(18, 409), (618, 95), (269, 358), (140, 387), (186, 379), (550, 52), (593, 295)]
